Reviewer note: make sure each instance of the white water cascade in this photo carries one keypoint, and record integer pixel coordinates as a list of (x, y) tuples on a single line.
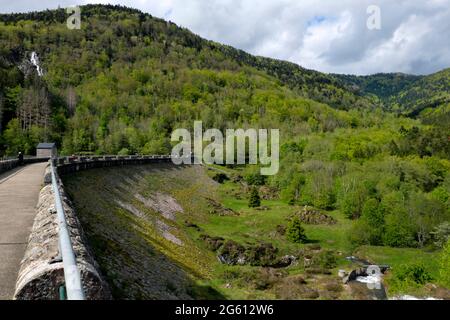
[(35, 61)]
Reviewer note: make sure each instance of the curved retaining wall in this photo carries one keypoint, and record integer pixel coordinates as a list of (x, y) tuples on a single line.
[(73, 164), (41, 274)]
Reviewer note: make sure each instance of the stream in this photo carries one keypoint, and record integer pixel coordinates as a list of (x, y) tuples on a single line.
[(367, 281)]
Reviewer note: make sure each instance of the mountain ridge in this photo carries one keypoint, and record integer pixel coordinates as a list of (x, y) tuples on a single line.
[(310, 83), (125, 65), (332, 89)]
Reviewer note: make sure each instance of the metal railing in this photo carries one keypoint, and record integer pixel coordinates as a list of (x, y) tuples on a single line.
[(72, 277), (83, 158)]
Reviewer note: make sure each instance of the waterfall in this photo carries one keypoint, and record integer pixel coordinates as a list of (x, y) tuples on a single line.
[(35, 61)]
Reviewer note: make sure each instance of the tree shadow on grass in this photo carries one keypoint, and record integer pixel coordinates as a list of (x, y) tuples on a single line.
[(310, 241), (204, 292)]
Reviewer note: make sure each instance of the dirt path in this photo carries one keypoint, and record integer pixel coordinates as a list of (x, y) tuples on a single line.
[(19, 190)]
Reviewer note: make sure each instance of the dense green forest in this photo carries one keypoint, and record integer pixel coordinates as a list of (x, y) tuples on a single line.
[(376, 148), (383, 86), (403, 93)]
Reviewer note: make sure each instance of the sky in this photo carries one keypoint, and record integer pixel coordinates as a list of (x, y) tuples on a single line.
[(334, 36)]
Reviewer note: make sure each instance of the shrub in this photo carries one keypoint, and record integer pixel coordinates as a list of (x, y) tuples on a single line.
[(295, 232), (220, 177), (212, 243), (407, 276), (231, 252), (255, 199), (253, 177), (264, 254), (325, 259)]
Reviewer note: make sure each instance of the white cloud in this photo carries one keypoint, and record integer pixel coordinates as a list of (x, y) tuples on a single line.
[(326, 35), (319, 39)]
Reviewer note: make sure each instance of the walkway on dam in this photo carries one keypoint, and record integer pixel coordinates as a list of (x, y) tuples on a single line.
[(19, 191)]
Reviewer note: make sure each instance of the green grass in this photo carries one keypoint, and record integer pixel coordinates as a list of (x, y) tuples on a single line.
[(259, 225), (332, 236), (398, 256)]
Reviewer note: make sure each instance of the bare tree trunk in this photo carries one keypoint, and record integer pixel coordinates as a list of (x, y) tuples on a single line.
[(35, 109), (71, 100)]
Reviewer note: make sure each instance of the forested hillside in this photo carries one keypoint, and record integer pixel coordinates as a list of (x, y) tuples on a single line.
[(403, 93), (429, 92), (125, 65), (373, 151), (384, 86), (139, 61)]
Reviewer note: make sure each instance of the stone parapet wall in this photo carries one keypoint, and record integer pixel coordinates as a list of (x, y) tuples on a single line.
[(42, 274), (8, 165)]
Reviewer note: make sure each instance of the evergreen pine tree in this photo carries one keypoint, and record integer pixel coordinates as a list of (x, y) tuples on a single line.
[(295, 232), (254, 200)]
